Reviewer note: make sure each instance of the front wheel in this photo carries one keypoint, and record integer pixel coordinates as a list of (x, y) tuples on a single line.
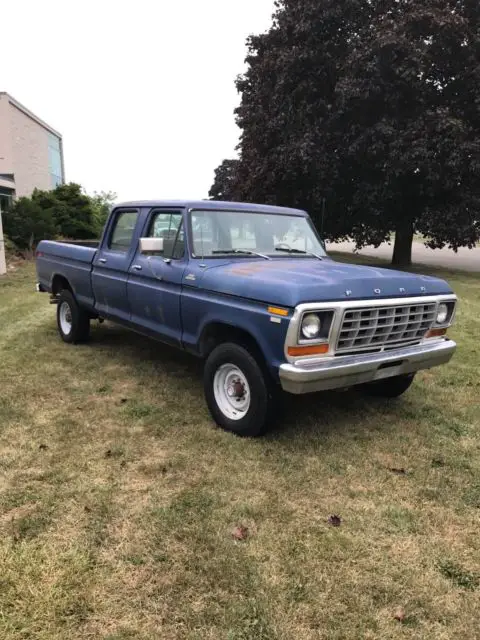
[(72, 321), (239, 394), (389, 387)]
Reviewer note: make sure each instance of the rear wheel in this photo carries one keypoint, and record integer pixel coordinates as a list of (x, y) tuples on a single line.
[(240, 396), (390, 387), (72, 321)]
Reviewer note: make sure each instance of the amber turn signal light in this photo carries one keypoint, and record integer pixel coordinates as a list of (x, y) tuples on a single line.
[(308, 350), (435, 333), (277, 311)]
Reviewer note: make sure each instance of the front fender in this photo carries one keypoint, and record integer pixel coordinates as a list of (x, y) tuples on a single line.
[(201, 309)]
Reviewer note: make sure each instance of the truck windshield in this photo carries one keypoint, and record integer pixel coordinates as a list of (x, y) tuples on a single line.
[(217, 233)]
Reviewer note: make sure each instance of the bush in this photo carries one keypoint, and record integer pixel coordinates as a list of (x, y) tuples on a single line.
[(70, 209), (65, 212), (10, 247), (26, 223)]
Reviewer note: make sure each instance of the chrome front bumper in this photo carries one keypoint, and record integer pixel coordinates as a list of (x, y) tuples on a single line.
[(306, 376)]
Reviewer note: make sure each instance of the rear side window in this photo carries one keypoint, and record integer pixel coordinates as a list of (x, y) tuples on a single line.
[(123, 230)]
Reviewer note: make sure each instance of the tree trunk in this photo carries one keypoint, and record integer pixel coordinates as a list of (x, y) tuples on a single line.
[(402, 251)]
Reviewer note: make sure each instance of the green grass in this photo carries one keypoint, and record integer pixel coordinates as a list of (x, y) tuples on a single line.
[(118, 497)]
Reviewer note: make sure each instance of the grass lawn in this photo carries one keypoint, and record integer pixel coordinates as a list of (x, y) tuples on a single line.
[(118, 497)]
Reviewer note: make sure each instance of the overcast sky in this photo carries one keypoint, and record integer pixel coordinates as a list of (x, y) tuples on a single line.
[(142, 92)]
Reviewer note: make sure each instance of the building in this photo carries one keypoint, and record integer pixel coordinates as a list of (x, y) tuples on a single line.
[(31, 152), (31, 156)]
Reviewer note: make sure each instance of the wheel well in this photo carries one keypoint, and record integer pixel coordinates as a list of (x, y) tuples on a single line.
[(59, 283), (216, 333)]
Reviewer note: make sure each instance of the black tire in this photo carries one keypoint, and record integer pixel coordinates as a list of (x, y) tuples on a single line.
[(79, 319), (263, 394), (390, 387)]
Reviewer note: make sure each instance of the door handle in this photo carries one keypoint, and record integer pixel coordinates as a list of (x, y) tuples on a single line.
[(102, 260), (137, 267)]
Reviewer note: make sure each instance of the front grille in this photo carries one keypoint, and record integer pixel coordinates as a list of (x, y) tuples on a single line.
[(377, 328)]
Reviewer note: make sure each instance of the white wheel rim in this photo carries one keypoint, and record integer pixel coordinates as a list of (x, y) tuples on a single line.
[(232, 391), (65, 316)]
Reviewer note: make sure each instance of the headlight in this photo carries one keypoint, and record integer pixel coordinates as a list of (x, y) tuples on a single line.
[(311, 326), (442, 313)]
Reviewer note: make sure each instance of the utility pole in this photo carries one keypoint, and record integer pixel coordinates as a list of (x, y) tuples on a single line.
[(3, 264)]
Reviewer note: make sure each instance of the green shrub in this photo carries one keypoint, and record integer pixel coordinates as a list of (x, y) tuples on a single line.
[(66, 212)]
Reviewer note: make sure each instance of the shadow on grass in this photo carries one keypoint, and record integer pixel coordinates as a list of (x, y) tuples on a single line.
[(140, 350), (312, 415)]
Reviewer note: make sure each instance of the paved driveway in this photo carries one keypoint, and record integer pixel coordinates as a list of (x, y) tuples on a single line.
[(464, 260)]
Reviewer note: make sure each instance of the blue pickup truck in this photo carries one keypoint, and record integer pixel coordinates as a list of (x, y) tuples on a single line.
[(251, 290)]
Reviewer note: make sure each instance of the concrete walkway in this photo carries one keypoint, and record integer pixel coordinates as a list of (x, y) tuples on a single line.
[(464, 260)]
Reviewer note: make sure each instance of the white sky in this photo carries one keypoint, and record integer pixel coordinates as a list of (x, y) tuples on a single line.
[(142, 91)]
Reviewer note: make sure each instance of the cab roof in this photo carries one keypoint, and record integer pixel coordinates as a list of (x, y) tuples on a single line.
[(214, 205)]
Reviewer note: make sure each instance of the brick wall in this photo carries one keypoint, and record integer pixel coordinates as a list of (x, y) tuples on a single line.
[(6, 159), (30, 153)]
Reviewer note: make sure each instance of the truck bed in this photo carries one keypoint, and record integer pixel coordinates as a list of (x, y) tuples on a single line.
[(78, 251), (71, 261), (92, 244)]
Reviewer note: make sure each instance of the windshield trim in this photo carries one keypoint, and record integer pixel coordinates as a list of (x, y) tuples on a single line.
[(277, 254)]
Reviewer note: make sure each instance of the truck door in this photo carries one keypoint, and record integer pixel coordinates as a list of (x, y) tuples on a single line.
[(155, 281), (111, 263)]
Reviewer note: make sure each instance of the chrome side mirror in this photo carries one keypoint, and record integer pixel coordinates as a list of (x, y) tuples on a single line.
[(151, 245)]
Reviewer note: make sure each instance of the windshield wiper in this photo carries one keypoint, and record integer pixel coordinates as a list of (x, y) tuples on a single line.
[(304, 253), (245, 252)]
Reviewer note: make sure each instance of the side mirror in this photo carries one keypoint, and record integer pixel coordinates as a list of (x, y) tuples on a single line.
[(151, 245)]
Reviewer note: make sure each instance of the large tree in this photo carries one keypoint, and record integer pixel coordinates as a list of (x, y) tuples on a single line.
[(374, 106), (223, 187)]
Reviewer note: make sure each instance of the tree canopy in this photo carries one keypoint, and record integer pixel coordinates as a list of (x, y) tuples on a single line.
[(374, 106)]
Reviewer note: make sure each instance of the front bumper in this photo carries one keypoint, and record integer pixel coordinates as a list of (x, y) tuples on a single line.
[(346, 371)]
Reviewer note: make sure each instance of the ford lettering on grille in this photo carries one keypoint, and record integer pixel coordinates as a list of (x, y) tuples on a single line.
[(377, 328)]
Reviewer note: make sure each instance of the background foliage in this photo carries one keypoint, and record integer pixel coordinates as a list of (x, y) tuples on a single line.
[(65, 212), (374, 106)]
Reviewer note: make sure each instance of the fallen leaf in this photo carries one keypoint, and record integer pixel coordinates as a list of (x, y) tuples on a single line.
[(335, 521), (399, 614), (240, 533)]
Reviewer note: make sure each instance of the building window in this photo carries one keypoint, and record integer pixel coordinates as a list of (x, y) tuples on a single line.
[(6, 199), (55, 160)]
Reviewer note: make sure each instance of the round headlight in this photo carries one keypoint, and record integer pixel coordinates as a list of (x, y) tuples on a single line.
[(311, 326), (442, 313)]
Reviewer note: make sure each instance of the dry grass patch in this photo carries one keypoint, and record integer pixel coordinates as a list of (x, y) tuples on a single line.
[(118, 497)]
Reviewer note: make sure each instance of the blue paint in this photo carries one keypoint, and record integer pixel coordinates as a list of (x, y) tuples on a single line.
[(175, 302)]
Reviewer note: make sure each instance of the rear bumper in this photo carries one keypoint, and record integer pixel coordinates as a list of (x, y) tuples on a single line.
[(346, 371)]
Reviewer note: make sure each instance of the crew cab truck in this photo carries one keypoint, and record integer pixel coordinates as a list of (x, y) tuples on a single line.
[(250, 289)]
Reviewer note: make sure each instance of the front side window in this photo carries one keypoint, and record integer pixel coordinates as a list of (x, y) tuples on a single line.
[(122, 233), (169, 226), (222, 232)]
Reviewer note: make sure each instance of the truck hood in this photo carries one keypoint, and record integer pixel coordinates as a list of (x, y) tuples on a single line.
[(288, 282)]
